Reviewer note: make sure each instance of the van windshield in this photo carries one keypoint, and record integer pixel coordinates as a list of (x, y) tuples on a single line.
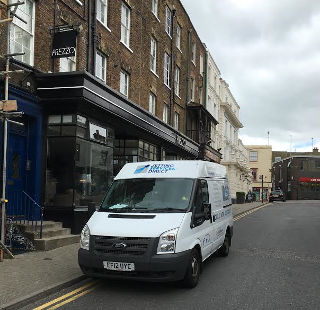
[(148, 195)]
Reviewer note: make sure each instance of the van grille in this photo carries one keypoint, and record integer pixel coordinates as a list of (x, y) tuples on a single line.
[(134, 245)]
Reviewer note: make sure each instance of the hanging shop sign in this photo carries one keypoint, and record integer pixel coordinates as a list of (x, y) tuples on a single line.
[(64, 44), (310, 180)]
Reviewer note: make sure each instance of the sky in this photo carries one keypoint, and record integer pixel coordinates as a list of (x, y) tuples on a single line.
[(268, 51)]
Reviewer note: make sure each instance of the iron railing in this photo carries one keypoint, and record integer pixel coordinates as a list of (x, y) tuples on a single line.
[(24, 209)]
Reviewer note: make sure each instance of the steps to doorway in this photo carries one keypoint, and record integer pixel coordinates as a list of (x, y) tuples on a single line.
[(53, 235)]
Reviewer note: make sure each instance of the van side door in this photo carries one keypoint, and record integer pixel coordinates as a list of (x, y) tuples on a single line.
[(202, 225)]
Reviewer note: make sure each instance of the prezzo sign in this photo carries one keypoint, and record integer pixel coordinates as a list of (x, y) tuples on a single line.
[(64, 44)]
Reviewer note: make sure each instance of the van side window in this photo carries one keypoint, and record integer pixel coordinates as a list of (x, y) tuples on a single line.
[(202, 195)]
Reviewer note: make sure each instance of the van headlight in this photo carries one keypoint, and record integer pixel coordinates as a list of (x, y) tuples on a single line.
[(85, 238), (167, 242)]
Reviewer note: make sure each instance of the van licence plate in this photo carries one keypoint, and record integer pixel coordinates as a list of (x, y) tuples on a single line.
[(118, 266)]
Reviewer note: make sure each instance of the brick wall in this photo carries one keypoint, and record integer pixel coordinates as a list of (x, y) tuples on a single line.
[(136, 60)]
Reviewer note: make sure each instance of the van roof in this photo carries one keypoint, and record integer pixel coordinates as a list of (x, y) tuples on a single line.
[(172, 169)]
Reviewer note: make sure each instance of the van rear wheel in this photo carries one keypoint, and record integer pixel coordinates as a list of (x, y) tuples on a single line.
[(225, 248), (191, 278)]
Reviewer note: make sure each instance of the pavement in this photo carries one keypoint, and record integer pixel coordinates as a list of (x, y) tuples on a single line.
[(34, 275)]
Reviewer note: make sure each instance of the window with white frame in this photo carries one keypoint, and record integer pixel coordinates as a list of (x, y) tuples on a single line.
[(192, 89), (154, 7), (21, 34), (165, 113), (166, 70), (178, 38), (176, 120), (193, 53), (201, 65), (152, 103), (67, 64), (177, 81), (200, 95), (100, 69), (153, 55), (102, 12), (125, 24), (124, 83), (168, 21), (253, 156)]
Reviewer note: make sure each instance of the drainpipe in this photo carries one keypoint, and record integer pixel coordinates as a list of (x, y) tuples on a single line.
[(188, 75), (89, 45), (173, 13), (205, 77), (94, 37), (54, 30)]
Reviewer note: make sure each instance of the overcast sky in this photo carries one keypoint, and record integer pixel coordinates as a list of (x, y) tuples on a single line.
[(268, 51)]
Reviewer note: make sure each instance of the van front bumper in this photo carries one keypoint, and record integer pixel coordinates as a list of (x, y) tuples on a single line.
[(158, 268)]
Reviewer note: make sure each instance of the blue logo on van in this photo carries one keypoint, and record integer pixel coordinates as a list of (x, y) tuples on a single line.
[(142, 169), (161, 168)]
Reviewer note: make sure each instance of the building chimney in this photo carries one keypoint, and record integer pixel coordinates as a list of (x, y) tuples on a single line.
[(315, 150)]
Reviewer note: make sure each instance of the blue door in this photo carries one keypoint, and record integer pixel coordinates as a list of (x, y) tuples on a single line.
[(16, 172)]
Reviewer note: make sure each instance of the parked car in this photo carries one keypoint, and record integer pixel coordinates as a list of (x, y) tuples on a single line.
[(277, 195)]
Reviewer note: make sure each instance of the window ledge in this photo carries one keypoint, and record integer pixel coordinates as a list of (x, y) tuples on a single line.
[(79, 2), (155, 73), (178, 96), (179, 49), (104, 25), (126, 46), (157, 18), (167, 86), (169, 35)]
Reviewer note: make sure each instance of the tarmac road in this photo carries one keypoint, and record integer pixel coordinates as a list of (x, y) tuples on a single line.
[(274, 263)]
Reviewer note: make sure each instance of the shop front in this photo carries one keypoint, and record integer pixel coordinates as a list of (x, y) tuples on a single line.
[(91, 131)]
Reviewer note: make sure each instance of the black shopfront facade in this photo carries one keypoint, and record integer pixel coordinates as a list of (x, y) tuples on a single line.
[(90, 132)]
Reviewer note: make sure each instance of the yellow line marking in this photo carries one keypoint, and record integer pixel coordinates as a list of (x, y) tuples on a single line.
[(66, 295), (238, 217), (72, 298)]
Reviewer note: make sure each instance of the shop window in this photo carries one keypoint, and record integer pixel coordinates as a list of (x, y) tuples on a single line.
[(93, 172)]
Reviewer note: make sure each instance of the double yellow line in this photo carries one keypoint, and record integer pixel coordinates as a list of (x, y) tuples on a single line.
[(238, 217), (73, 295)]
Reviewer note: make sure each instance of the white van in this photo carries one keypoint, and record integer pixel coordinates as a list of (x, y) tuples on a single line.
[(158, 222)]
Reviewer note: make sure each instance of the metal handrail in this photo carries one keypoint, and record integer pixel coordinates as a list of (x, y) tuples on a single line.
[(40, 207)]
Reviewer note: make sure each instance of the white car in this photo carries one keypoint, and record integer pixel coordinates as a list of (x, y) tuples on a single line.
[(158, 222)]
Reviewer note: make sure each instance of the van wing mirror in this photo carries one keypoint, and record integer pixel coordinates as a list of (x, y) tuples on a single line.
[(207, 211)]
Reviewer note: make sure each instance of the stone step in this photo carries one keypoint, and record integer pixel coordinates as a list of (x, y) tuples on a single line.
[(45, 225), (47, 233), (46, 244)]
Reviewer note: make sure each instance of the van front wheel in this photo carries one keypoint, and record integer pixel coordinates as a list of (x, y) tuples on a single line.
[(191, 278)]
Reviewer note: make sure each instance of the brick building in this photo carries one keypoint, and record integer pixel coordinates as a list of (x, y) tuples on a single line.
[(134, 90), (298, 176)]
